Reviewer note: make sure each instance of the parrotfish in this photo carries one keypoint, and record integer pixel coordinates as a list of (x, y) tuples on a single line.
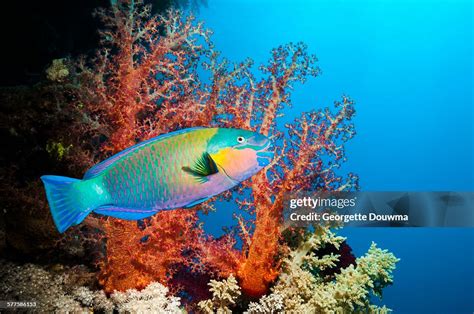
[(177, 170)]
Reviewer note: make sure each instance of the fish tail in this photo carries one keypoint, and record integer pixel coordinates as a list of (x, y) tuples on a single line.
[(67, 201)]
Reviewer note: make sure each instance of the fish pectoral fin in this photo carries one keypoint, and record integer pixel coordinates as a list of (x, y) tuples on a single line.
[(124, 213), (202, 168), (199, 201)]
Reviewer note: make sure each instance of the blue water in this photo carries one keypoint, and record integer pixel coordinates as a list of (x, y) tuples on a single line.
[(408, 65)]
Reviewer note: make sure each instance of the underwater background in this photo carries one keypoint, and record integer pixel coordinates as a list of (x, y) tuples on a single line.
[(408, 65)]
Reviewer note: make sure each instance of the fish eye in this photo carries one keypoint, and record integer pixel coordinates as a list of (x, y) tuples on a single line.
[(240, 139)]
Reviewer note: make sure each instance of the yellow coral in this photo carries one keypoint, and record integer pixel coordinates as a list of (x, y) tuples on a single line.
[(57, 149), (57, 71), (304, 292), (378, 264), (224, 296)]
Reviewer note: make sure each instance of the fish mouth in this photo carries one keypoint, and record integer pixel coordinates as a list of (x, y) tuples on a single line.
[(265, 154)]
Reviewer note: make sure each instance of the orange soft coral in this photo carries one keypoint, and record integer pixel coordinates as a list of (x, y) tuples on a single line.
[(144, 82), (139, 254)]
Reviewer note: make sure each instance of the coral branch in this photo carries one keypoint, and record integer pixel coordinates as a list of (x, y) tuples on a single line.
[(304, 290), (224, 296), (132, 260)]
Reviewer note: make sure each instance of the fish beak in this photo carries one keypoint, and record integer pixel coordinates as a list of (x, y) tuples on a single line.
[(265, 150), (259, 140)]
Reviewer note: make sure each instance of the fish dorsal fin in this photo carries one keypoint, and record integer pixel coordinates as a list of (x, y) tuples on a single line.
[(104, 165), (202, 168)]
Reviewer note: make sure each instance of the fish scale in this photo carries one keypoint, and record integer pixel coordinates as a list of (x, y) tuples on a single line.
[(133, 169)]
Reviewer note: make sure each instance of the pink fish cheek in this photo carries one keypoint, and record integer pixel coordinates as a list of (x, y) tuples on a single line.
[(242, 164)]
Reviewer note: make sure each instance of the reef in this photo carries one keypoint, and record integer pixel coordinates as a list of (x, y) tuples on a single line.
[(304, 286), (151, 75), (59, 288)]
